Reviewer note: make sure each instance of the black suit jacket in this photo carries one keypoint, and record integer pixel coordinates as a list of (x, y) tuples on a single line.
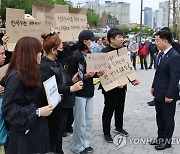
[(167, 77)]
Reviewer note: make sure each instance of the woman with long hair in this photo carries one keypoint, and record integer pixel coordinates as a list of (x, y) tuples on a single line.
[(51, 66), (22, 108)]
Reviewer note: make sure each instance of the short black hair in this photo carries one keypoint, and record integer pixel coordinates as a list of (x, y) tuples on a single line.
[(112, 33), (164, 34), (166, 28)]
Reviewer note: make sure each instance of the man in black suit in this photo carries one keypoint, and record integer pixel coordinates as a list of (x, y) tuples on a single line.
[(165, 89)]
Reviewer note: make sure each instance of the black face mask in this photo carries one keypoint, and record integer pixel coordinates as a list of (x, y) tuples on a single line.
[(60, 54)]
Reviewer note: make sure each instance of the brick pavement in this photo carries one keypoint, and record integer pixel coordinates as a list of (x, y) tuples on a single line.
[(139, 121)]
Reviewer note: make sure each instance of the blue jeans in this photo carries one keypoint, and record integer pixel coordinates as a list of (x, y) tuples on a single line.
[(133, 59), (83, 116)]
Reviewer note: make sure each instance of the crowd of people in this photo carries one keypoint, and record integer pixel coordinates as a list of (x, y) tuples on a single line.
[(34, 126)]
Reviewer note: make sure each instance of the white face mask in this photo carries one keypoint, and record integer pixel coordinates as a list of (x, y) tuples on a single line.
[(134, 41), (92, 44)]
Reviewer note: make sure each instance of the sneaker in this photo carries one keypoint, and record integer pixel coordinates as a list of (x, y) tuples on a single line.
[(151, 103), (108, 139), (83, 152), (122, 131), (70, 130), (65, 134), (89, 149)]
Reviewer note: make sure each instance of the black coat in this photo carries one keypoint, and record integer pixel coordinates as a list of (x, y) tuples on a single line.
[(48, 68), (28, 132), (153, 49), (167, 77), (88, 86)]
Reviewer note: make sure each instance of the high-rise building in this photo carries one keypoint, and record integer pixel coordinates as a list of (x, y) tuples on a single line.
[(119, 10), (155, 16), (148, 16), (163, 14), (94, 5), (124, 12)]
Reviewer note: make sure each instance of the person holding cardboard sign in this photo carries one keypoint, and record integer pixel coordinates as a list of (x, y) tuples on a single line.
[(51, 66), (114, 100), (22, 107), (83, 109)]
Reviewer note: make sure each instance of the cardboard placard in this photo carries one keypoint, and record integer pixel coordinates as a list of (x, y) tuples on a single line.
[(3, 71), (14, 13), (96, 62), (44, 12), (17, 28), (71, 23), (117, 65), (51, 89)]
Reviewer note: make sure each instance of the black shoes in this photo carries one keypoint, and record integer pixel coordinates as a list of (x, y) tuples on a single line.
[(89, 149), (122, 132), (83, 152), (151, 103), (162, 146), (159, 144), (108, 139)]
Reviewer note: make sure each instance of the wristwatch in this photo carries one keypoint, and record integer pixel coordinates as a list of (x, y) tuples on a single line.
[(38, 112)]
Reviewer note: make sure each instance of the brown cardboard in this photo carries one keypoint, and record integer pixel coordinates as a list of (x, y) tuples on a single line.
[(44, 12), (15, 13), (17, 28), (96, 62), (119, 70), (3, 71), (61, 8), (71, 23), (79, 11)]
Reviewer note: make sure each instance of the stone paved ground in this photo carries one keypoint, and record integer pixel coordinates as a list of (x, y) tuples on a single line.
[(139, 121)]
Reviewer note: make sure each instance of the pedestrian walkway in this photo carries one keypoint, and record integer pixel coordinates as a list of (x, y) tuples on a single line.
[(139, 121)]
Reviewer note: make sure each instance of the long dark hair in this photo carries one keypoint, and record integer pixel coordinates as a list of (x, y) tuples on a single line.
[(24, 59)]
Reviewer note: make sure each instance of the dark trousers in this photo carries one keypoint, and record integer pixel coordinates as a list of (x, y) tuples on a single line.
[(133, 59), (165, 113), (57, 122), (153, 59), (70, 120), (114, 101), (143, 62)]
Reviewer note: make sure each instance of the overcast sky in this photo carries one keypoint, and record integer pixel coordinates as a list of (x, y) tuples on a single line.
[(135, 6)]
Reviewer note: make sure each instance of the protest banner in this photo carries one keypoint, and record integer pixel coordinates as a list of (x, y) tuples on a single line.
[(117, 65), (44, 12), (71, 22), (96, 62), (17, 28), (3, 70), (51, 90)]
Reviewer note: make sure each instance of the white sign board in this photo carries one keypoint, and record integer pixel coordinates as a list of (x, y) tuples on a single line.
[(51, 89)]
